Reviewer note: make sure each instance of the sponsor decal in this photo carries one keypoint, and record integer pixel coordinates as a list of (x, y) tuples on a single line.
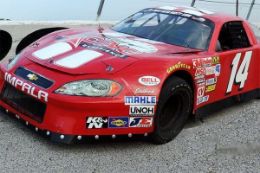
[(200, 71), (206, 62), (144, 91), (211, 81), (140, 100), (210, 70), (217, 69), (112, 43), (201, 81), (199, 77), (206, 67), (177, 66), (27, 88), (141, 110), (202, 99), (103, 49), (32, 77), (196, 63), (97, 122), (149, 81), (118, 122), (201, 91), (137, 46), (210, 88), (215, 60), (141, 122)]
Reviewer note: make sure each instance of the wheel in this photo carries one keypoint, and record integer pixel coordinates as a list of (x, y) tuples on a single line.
[(174, 108), (26, 41), (5, 43)]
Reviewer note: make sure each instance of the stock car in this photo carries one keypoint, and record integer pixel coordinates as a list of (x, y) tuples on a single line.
[(144, 76)]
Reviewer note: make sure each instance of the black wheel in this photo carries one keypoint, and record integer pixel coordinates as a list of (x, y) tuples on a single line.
[(26, 41), (5, 43), (174, 107)]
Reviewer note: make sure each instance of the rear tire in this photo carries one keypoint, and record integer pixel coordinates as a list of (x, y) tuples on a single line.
[(174, 108)]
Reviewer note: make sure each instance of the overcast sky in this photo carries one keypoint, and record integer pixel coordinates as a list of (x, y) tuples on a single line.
[(113, 9)]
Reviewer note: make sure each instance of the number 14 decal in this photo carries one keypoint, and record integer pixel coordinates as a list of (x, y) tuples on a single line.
[(239, 76)]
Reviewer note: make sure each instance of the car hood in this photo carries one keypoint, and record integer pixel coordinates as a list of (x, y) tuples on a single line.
[(83, 51)]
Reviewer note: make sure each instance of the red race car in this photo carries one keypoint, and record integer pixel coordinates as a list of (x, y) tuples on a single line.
[(145, 75)]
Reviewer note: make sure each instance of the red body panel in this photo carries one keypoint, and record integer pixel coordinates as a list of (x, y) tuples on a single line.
[(68, 114)]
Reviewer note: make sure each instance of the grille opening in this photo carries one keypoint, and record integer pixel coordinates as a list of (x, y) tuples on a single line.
[(23, 103)]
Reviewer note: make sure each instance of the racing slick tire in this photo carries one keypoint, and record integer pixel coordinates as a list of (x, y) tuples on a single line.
[(174, 108)]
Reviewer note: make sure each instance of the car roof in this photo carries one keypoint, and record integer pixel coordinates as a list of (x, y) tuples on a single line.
[(213, 16)]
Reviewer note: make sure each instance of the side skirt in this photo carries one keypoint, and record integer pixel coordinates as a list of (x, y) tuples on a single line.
[(222, 104)]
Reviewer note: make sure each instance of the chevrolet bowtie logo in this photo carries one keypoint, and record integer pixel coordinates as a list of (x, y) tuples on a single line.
[(32, 77)]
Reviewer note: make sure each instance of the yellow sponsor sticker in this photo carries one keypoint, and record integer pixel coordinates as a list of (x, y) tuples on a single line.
[(215, 60), (177, 66), (210, 88)]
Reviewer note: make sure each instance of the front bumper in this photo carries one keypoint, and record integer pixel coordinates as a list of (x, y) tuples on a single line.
[(65, 117)]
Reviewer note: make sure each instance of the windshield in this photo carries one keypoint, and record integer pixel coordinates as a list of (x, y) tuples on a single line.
[(174, 28)]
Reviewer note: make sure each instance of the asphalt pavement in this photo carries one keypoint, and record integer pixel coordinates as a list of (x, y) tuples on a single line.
[(227, 141)]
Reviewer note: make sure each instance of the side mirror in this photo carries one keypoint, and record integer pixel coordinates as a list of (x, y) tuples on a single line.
[(5, 43)]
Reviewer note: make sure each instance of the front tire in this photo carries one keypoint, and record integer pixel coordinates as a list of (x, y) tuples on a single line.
[(174, 108)]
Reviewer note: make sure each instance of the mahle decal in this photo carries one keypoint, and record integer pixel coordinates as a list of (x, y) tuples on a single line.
[(140, 100)]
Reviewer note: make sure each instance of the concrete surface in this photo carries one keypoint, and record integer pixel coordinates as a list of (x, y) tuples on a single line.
[(227, 141)]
